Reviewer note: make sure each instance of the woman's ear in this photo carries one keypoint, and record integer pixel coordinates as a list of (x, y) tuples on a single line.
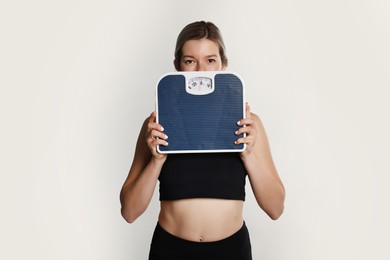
[(176, 64)]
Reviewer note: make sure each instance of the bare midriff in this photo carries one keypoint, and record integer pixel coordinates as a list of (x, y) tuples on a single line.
[(201, 220)]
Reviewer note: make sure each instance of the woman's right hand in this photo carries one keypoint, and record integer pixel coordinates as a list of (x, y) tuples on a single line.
[(155, 136)]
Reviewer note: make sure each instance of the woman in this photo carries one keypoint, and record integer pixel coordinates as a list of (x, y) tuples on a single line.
[(206, 222)]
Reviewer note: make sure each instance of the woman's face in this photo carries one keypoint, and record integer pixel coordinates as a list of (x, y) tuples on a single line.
[(200, 55)]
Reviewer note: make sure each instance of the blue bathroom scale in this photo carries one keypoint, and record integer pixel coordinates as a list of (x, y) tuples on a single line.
[(199, 111)]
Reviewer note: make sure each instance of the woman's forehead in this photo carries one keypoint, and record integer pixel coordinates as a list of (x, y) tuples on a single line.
[(200, 47)]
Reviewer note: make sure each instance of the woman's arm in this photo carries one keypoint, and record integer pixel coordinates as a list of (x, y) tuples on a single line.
[(263, 176), (139, 186)]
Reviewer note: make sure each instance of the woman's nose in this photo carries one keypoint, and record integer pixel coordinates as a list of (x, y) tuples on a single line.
[(200, 67)]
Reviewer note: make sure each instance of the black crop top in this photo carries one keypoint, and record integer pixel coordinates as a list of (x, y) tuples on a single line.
[(203, 175)]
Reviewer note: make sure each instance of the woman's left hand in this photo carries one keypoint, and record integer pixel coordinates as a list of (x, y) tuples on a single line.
[(250, 129)]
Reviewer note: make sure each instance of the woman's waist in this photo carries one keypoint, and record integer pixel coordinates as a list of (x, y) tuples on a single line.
[(200, 219)]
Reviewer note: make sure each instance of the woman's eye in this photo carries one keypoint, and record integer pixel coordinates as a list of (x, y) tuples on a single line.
[(211, 60), (189, 61)]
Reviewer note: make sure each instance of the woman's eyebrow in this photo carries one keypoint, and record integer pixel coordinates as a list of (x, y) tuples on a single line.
[(207, 56), (188, 56)]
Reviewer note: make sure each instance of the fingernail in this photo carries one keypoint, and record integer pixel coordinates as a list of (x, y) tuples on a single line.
[(238, 122), (166, 137), (236, 132), (162, 128)]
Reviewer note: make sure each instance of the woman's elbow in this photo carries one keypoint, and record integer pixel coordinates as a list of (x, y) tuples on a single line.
[(276, 213), (276, 208), (128, 216)]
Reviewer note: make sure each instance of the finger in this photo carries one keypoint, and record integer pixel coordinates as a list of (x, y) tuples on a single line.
[(155, 142), (245, 122), (240, 141), (152, 122), (155, 126), (245, 140), (249, 130), (247, 110), (152, 117), (158, 135)]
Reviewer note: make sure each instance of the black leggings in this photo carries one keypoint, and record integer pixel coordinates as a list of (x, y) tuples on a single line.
[(166, 246)]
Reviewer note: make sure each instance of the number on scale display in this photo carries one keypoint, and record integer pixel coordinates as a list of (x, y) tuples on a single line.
[(201, 84)]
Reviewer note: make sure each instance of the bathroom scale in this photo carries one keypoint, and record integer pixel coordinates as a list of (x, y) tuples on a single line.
[(199, 111)]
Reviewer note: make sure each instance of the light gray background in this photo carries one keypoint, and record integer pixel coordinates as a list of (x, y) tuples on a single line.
[(78, 78)]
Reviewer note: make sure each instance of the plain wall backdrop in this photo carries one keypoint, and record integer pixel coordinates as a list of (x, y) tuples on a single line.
[(78, 79)]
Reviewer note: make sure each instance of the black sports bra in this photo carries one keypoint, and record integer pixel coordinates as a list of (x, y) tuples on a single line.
[(203, 175)]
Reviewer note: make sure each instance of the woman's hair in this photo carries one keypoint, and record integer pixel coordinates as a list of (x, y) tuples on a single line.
[(200, 30)]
